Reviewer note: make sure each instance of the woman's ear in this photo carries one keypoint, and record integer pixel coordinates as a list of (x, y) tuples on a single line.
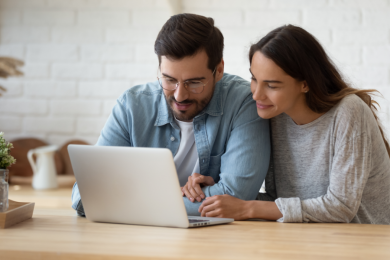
[(304, 87)]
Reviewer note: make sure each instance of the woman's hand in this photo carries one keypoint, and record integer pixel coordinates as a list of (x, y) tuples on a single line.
[(225, 206), (192, 190)]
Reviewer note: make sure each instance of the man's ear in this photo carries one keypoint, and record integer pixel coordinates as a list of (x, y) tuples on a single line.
[(219, 71)]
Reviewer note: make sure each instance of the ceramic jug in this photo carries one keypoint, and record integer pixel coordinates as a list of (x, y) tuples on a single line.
[(45, 175)]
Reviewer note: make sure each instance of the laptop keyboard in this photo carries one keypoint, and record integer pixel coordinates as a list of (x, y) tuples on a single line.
[(197, 220)]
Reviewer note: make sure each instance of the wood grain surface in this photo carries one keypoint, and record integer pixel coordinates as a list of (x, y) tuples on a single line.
[(71, 237), (17, 212), (46, 201), (55, 233)]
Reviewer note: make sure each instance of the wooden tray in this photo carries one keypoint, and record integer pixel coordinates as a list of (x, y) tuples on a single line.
[(17, 212)]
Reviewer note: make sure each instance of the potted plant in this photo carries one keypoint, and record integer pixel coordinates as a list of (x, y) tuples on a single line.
[(6, 160)]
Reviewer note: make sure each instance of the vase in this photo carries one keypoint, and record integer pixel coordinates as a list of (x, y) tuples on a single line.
[(4, 190)]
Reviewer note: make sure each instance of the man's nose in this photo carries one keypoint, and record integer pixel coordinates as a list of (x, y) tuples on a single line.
[(181, 93)]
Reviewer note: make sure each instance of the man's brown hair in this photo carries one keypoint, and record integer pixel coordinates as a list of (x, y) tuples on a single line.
[(186, 34)]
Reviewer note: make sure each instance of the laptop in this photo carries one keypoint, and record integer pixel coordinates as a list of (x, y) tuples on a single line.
[(131, 185)]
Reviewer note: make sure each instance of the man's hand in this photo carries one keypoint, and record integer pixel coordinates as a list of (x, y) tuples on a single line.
[(225, 206), (192, 190)]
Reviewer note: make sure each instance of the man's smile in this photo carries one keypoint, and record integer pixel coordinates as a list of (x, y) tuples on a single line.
[(182, 106)]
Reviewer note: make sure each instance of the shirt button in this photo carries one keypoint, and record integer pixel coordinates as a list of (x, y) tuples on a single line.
[(172, 138)]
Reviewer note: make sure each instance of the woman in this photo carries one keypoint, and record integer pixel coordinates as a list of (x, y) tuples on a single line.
[(331, 161)]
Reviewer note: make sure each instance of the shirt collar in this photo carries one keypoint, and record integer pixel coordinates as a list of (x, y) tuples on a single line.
[(164, 115), (215, 106)]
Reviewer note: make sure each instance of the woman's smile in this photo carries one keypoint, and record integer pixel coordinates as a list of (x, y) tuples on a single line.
[(263, 106)]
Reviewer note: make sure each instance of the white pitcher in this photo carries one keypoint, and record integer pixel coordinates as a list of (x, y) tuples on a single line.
[(45, 174)]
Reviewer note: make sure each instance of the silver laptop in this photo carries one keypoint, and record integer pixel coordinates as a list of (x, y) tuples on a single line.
[(132, 186)]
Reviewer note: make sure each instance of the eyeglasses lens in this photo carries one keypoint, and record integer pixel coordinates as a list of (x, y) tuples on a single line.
[(169, 84)]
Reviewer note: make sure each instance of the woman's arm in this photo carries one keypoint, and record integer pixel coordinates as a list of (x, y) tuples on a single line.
[(264, 210), (348, 177), (225, 206), (230, 207)]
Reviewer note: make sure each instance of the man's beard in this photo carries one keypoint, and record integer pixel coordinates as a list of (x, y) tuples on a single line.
[(187, 115)]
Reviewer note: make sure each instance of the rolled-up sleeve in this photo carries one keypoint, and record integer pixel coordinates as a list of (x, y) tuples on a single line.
[(76, 201)]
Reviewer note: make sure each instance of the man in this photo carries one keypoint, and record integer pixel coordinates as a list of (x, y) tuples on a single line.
[(208, 119)]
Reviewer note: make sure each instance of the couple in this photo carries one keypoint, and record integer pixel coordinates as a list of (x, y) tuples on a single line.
[(322, 152)]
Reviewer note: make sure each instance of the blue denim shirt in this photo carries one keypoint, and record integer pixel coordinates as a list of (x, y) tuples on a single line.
[(233, 142)]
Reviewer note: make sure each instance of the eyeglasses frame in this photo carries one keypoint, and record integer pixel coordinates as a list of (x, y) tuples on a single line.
[(184, 83)]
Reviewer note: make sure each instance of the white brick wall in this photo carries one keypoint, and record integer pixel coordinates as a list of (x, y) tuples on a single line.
[(24, 34), (12, 50), (75, 107), (50, 89), (104, 18), (78, 35), (15, 88), (71, 70), (82, 54), (46, 17), (103, 89), (49, 124), (104, 52), (10, 123), (35, 70), (57, 52), (23, 106)]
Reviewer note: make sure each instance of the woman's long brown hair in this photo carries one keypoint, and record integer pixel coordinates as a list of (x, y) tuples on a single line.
[(302, 57)]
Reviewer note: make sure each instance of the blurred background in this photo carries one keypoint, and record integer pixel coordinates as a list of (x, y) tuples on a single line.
[(80, 55)]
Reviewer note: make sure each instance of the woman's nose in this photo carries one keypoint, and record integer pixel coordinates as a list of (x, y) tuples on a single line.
[(258, 94)]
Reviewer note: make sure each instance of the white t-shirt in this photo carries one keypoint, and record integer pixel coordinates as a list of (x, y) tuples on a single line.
[(186, 159)]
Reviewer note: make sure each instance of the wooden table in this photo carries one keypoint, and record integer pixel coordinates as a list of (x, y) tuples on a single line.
[(55, 232), (47, 202)]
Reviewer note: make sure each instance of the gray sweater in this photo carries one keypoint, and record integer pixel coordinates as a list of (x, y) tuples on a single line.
[(334, 169)]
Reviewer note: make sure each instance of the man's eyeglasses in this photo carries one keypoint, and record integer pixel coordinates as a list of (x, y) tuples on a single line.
[(193, 86)]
